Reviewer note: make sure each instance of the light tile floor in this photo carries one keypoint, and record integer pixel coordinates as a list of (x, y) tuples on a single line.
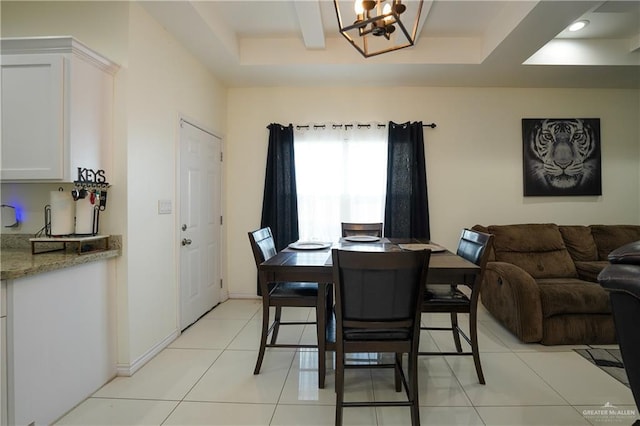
[(205, 377)]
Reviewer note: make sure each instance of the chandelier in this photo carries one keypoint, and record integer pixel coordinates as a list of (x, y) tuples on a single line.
[(378, 26)]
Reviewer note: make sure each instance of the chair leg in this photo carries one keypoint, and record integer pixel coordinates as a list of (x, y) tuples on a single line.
[(455, 331), (397, 369), (473, 331), (321, 326), (263, 335), (276, 325), (339, 387), (412, 369)]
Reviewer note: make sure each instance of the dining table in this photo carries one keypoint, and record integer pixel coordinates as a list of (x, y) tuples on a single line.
[(312, 262)]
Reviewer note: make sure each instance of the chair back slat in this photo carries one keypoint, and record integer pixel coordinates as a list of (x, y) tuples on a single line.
[(350, 229), (474, 246), (262, 245), (373, 294), (380, 287)]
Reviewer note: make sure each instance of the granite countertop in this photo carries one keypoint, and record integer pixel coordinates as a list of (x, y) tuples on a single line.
[(17, 261)]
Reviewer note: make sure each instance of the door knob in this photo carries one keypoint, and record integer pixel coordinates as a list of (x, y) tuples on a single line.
[(186, 242), (184, 227)]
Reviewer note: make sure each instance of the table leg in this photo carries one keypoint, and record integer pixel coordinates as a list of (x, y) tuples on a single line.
[(321, 318)]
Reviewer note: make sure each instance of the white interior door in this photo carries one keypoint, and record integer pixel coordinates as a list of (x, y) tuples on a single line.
[(200, 213)]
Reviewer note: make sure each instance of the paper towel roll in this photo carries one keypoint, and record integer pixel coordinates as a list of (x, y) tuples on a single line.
[(84, 216), (62, 213)]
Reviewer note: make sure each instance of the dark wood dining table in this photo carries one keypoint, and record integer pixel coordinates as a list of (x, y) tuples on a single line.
[(317, 266)]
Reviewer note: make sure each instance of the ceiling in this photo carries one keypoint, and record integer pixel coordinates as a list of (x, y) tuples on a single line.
[(485, 43)]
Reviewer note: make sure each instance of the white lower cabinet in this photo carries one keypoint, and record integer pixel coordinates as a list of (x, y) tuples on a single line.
[(3, 355), (60, 341)]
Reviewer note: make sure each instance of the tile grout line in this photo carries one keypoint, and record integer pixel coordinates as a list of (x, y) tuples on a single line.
[(205, 371)]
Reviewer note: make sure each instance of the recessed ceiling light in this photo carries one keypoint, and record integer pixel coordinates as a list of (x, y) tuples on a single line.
[(578, 25)]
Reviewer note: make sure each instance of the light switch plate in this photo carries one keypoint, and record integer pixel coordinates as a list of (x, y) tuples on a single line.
[(164, 207)]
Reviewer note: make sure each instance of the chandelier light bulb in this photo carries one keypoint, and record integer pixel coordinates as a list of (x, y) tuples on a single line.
[(386, 10), (358, 8)]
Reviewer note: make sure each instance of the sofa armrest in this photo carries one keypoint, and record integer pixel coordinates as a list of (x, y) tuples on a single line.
[(621, 278), (513, 297), (627, 254)]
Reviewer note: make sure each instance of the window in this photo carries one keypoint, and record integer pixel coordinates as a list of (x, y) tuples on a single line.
[(340, 177)]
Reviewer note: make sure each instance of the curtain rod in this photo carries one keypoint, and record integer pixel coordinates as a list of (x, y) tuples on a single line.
[(348, 126)]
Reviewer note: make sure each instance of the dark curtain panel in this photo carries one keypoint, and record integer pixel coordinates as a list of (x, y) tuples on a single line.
[(280, 201), (406, 212)]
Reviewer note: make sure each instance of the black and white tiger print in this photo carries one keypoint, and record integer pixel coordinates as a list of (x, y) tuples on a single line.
[(563, 157)]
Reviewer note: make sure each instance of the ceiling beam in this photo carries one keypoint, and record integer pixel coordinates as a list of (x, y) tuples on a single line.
[(310, 20)]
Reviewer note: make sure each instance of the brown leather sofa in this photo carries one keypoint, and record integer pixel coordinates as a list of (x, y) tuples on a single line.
[(541, 281)]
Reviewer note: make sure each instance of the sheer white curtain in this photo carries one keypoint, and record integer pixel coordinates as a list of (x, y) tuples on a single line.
[(340, 176)]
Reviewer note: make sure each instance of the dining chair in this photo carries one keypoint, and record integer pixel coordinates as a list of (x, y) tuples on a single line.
[(279, 295), (378, 298), (448, 298), (350, 229)]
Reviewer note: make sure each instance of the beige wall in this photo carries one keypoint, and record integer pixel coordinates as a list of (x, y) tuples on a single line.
[(474, 156), (164, 82), (158, 82)]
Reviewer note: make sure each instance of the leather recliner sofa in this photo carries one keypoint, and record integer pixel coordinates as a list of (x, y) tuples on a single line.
[(622, 280)]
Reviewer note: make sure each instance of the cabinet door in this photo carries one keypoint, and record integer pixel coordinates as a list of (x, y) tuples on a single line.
[(60, 340), (33, 140), (3, 371), (3, 354)]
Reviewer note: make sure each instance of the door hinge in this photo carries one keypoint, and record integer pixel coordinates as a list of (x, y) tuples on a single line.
[(220, 282), (220, 220), (220, 155)]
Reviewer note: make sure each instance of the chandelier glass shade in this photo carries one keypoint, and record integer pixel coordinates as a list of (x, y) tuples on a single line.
[(374, 27)]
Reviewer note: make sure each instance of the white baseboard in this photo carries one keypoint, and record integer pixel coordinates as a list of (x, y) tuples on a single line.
[(243, 296), (128, 370)]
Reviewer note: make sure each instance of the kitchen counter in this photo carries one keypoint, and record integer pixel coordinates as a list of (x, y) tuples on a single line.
[(16, 260), (75, 329)]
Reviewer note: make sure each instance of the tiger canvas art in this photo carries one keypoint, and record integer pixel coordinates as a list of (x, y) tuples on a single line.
[(561, 156)]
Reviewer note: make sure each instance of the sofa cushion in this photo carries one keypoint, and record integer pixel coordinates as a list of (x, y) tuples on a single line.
[(610, 237), (572, 296), (536, 248), (589, 271), (579, 242)]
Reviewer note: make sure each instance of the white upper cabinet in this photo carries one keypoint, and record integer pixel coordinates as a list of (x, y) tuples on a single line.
[(57, 103)]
